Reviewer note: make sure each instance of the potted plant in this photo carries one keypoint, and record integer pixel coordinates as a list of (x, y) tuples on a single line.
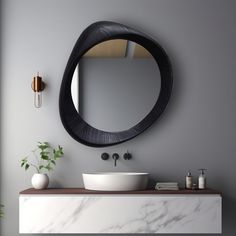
[(45, 158)]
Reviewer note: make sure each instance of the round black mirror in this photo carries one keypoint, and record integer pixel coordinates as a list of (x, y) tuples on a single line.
[(110, 87), (105, 47)]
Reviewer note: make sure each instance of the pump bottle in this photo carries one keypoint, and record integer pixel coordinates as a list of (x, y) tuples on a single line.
[(202, 179), (188, 180)]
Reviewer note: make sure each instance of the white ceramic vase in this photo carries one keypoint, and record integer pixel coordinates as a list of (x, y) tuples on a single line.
[(40, 181)]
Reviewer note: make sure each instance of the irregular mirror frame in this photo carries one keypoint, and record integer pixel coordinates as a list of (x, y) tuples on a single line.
[(93, 35)]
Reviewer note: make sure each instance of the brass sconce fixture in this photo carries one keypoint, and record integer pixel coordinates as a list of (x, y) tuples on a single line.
[(37, 86)]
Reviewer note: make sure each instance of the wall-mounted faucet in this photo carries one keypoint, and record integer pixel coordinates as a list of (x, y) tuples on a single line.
[(115, 156), (105, 156)]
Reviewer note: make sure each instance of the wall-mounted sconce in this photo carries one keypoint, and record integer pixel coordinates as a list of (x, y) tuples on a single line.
[(37, 86)]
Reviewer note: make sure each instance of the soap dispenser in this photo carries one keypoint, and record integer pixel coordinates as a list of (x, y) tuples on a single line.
[(188, 180), (202, 179)]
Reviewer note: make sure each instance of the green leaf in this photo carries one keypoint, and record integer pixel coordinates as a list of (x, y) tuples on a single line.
[(44, 157), (58, 153), (48, 167), (27, 166), (53, 162), (44, 153), (43, 146), (23, 161)]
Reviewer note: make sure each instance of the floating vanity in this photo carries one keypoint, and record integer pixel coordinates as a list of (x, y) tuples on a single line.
[(149, 211)]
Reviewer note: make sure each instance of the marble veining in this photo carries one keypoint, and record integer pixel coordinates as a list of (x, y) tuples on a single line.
[(120, 214)]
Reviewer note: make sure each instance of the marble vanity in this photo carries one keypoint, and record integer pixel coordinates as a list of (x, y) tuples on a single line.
[(149, 211)]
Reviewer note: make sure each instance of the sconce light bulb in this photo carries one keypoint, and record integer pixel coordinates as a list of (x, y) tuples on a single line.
[(37, 86), (37, 99)]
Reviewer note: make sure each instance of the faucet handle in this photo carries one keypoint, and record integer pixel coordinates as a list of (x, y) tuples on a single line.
[(105, 156), (127, 156)]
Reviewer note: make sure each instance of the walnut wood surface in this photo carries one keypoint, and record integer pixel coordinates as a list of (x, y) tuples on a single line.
[(108, 49), (84, 191)]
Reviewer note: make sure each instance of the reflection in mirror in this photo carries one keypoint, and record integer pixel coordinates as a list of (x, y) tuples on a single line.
[(115, 85)]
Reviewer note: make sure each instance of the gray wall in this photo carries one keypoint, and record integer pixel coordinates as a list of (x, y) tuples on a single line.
[(117, 93), (197, 129)]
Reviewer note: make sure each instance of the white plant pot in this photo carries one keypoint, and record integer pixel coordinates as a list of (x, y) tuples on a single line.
[(40, 181)]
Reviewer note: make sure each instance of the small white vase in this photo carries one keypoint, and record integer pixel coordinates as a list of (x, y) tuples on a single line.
[(40, 181)]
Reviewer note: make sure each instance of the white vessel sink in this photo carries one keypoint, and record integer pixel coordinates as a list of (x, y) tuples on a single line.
[(115, 181)]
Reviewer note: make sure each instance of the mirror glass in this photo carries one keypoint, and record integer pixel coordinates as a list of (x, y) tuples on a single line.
[(115, 85)]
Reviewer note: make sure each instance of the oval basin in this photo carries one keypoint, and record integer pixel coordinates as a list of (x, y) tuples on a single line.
[(115, 181)]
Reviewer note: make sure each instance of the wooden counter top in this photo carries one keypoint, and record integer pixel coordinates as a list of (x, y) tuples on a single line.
[(84, 191)]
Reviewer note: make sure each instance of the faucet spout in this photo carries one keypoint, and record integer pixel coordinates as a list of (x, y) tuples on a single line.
[(115, 156)]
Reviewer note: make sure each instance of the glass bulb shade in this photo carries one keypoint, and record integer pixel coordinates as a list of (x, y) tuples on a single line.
[(37, 99)]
